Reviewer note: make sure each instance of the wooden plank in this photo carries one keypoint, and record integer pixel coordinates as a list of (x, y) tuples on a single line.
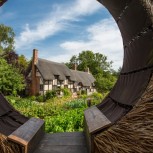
[(95, 120), (60, 140), (29, 134), (62, 149), (68, 142)]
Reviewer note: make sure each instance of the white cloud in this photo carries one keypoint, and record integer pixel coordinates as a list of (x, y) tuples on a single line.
[(103, 37), (56, 21)]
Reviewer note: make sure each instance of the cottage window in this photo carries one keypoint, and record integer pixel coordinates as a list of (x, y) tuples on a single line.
[(41, 87)]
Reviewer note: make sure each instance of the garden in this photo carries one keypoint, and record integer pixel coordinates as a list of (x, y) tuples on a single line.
[(61, 114)]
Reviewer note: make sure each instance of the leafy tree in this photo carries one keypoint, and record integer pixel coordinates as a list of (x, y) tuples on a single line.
[(6, 38), (96, 62), (11, 82), (105, 83), (11, 57), (73, 60), (99, 67), (116, 73), (17, 61), (22, 64)]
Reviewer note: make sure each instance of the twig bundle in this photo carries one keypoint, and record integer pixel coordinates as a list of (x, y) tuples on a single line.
[(134, 133), (8, 147)]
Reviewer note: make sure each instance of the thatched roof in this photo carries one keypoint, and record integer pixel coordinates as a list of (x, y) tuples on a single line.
[(85, 78), (50, 69)]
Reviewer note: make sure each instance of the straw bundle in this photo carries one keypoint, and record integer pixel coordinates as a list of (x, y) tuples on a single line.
[(134, 133), (8, 147)]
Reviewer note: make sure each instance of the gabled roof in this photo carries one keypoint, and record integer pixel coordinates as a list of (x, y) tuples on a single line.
[(49, 70), (85, 78)]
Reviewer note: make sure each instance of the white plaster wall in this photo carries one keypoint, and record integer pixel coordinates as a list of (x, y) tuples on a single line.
[(55, 82)]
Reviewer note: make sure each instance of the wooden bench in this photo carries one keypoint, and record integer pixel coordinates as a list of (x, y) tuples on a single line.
[(28, 135), (94, 121)]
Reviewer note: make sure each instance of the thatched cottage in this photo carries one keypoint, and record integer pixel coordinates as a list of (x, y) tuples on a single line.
[(44, 75)]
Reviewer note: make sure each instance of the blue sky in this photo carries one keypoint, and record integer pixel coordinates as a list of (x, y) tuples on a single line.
[(62, 28)]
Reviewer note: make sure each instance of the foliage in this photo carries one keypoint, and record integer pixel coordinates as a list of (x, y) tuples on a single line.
[(66, 92), (79, 103), (11, 82), (99, 66), (33, 98), (22, 64), (7, 38), (50, 94), (40, 98), (96, 62), (11, 57), (19, 62), (97, 95), (83, 96), (83, 92), (105, 82), (60, 114), (96, 98), (65, 121)]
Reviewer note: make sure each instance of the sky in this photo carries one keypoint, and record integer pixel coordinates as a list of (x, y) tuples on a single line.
[(60, 29)]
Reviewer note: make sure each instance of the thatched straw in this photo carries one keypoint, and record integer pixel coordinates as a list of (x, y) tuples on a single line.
[(134, 133), (8, 147)]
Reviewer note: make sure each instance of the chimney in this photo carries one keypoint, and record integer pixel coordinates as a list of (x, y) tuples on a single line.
[(75, 66), (87, 70), (33, 74), (35, 56)]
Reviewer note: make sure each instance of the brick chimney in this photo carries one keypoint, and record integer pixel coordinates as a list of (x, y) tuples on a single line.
[(75, 66), (87, 70), (33, 72), (35, 56)]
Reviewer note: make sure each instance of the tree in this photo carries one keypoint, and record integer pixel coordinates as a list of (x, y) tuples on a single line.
[(99, 67), (96, 62), (11, 57), (11, 81), (22, 64), (6, 38), (116, 73), (105, 82), (17, 61), (73, 60)]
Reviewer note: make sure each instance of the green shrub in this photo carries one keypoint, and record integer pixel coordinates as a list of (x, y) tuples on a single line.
[(83, 92), (40, 98), (96, 98), (33, 98), (11, 81), (97, 95), (66, 92), (79, 103), (50, 94), (84, 97)]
